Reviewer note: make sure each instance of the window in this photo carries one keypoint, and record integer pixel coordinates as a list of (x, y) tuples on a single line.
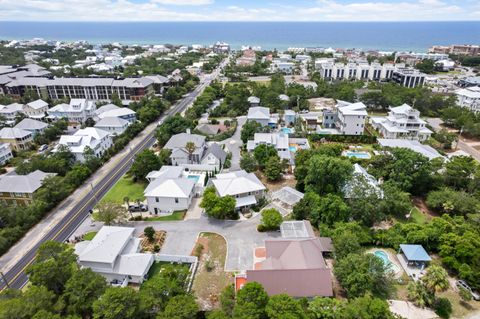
[(156, 199), (176, 200)]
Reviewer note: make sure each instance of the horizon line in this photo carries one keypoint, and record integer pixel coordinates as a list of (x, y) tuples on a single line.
[(235, 21)]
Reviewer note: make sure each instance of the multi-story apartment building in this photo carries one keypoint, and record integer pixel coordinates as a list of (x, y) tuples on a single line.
[(402, 122), (331, 70), (456, 49), (469, 98), (408, 77), (97, 89)]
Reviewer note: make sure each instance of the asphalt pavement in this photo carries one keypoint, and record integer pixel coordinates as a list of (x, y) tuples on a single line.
[(15, 277)]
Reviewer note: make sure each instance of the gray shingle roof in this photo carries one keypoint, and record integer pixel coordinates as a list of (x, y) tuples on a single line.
[(23, 183)]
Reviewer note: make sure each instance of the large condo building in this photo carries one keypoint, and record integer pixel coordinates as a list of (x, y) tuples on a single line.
[(331, 70), (97, 89)]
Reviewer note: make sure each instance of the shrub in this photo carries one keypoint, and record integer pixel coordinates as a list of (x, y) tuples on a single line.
[(149, 233), (271, 219), (198, 250), (156, 248), (442, 307)]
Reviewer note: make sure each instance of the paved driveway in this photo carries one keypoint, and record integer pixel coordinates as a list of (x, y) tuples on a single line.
[(242, 237), (234, 144)]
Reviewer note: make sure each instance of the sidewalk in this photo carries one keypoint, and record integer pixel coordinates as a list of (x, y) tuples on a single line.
[(36, 233)]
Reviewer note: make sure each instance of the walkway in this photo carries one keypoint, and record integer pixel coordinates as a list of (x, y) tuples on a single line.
[(234, 144)]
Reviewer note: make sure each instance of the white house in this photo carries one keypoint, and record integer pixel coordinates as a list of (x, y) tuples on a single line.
[(254, 101), (5, 153), (96, 139), (115, 254), (111, 110), (77, 112), (245, 187), (350, 117), (36, 109), (33, 126), (169, 190), (113, 125), (402, 122), (11, 111), (259, 114), (414, 145), (203, 157), (469, 98), (286, 147)]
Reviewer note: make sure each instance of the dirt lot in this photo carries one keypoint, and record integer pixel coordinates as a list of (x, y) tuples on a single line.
[(210, 278), (287, 180)]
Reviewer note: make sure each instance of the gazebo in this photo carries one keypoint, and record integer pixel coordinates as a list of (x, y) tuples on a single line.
[(415, 255)]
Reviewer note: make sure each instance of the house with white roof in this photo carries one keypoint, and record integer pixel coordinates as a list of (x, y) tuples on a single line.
[(286, 147), (111, 110), (289, 117), (414, 145), (170, 189), (254, 101), (359, 176), (36, 109), (469, 98), (18, 190), (18, 139), (96, 139), (113, 125), (204, 157), (259, 114), (402, 122), (114, 253), (5, 153), (33, 126), (11, 111), (350, 117), (245, 187), (77, 112)]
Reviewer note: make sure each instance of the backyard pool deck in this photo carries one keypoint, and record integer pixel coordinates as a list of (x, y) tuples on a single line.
[(413, 272)]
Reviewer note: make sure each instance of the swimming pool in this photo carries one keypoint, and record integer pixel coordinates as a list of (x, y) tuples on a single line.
[(361, 154), (292, 148), (386, 261), (194, 177), (286, 130)]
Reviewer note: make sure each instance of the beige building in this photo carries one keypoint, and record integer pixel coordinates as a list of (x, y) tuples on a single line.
[(18, 139)]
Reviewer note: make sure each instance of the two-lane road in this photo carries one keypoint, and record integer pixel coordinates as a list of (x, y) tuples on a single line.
[(16, 276)]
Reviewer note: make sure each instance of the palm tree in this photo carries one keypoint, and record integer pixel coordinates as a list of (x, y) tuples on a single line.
[(139, 202), (190, 148), (436, 279), (126, 200)]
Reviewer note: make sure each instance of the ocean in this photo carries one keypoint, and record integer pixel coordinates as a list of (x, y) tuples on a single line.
[(387, 36)]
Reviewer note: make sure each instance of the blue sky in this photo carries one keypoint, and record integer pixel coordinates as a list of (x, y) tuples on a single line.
[(245, 10)]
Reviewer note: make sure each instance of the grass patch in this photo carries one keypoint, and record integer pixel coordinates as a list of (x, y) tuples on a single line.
[(211, 278), (460, 308), (418, 217), (156, 267), (177, 215), (125, 187), (89, 235)]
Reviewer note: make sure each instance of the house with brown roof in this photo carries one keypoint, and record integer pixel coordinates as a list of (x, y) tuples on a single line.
[(293, 264)]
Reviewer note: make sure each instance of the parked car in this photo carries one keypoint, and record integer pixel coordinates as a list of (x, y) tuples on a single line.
[(138, 208), (42, 148), (464, 285)]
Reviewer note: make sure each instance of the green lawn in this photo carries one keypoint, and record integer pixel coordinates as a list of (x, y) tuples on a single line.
[(418, 217), (178, 215), (125, 187), (89, 235)]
